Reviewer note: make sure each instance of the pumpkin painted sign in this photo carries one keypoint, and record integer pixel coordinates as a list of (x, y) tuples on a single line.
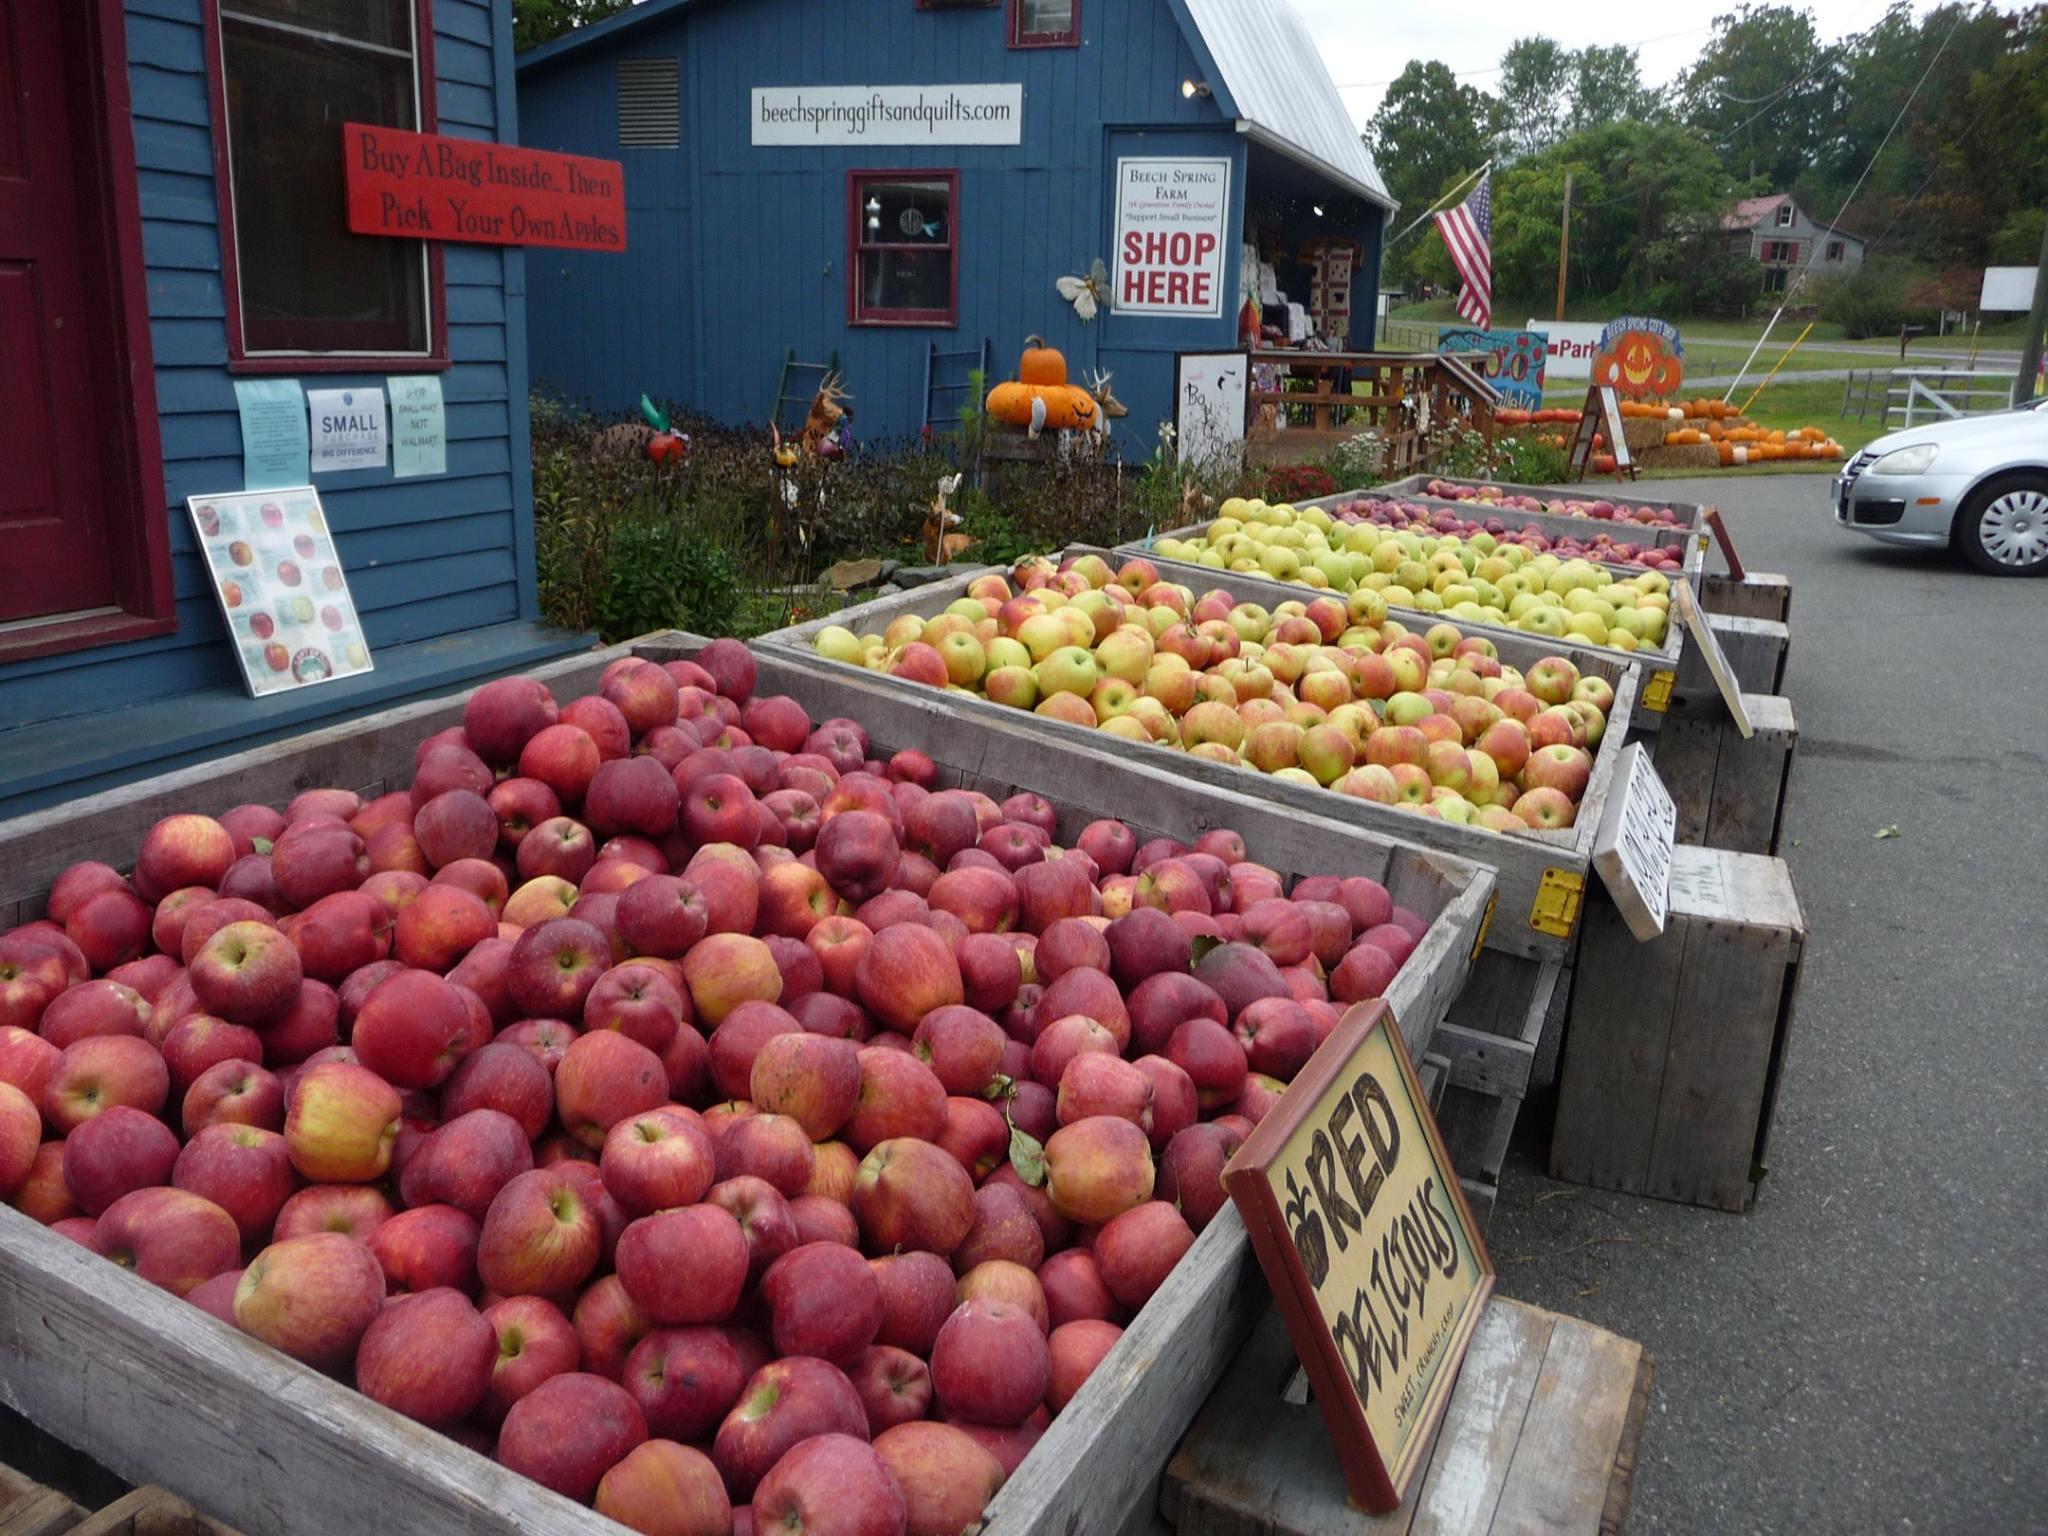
[(1640, 358)]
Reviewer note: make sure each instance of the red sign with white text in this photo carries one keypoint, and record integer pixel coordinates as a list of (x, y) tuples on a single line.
[(426, 186)]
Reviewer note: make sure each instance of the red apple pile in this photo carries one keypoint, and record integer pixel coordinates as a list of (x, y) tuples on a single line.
[(665, 1095), (1599, 545), (1563, 506)]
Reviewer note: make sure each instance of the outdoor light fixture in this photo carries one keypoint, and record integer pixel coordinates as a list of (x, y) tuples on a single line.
[(1193, 88)]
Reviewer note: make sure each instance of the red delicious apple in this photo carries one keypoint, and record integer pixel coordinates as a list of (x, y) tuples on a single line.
[(658, 1160), (770, 1147), (21, 1133), (560, 846), (685, 1380), (602, 1079), (114, 1152), (182, 850), (535, 1343), (1077, 1348), (340, 1123), (1098, 1168), (1004, 1231), (75, 883), (822, 1300), (521, 804), (895, 1386), (1212, 1057), (342, 933), (315, 859), (831, 1485), (27, 1061), (905, 972), (990, 1364), (911, 1194), (200, 1042), (725, 970), (170, 1237), (570, 1430), (505, 1077), (465, 1162), (110, 927), (554, 965), (94, 1008), (354, 1210), (1138, 1249), (1074, 1289), (42, 1195), (456, 824), (945, 1476), (785, 1403), (312, 1297), (426, 1247), (684, 1266), (917, 1298), (312, 1026), (541, 1235), (976, 1135), (441, 925), (609, 1326), (428, 1356), (662, 915), (666, 1488), (632, 795), (414, 1029), (243, 1169), (502, 716)]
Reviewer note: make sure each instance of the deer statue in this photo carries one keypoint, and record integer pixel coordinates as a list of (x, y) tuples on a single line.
[(823, 434), (1108, 407), (940, 546)]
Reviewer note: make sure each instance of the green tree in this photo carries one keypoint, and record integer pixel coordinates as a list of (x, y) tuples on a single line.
[(1429, 132), (1535, 85), (1607, 87), (542, 21), (1764, 92)]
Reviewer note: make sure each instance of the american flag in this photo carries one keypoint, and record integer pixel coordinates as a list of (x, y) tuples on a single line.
[(1468, 235)]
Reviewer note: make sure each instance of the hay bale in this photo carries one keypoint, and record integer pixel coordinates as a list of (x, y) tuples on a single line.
[(1679, 456)]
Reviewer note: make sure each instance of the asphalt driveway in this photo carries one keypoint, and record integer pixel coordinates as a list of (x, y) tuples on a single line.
[(1865, 1351)]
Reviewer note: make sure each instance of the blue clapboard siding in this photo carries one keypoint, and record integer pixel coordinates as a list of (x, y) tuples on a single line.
[(735, 253), (426, 558)]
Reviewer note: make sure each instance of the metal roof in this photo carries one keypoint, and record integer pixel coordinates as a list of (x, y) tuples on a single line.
[(1274, 79)]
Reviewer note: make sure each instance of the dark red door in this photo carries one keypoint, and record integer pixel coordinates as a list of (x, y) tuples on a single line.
[(54, 384)]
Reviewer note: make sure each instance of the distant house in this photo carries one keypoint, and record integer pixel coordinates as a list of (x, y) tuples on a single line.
[(1780, 236)]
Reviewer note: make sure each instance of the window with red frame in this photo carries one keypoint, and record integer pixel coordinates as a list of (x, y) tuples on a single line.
[(1045, 23), (903, 266), (291, 72)]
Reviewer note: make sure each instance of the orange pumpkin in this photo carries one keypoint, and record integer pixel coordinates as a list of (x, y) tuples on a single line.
[(1040, 363)]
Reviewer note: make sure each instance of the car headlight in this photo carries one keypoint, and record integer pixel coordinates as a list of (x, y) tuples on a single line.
[(1906, 461)]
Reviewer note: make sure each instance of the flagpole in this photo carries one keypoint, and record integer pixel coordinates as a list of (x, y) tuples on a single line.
[(1436, 206)]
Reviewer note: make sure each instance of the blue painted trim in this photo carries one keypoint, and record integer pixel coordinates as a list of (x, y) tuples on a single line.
[(518, 403)]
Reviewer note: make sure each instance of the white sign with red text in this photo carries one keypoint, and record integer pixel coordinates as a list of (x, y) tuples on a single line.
[(1172, 223), (1572, 344)]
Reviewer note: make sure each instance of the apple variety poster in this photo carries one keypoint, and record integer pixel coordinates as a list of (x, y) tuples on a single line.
[(281, 588)]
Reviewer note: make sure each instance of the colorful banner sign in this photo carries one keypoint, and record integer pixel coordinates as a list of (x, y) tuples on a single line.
[(1511, 361), (1640, 358), (1172, 219), (425, 186), (280, 587)]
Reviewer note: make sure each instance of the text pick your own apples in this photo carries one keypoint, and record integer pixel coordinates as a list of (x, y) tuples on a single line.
[(1329, 691), (802, 1151)]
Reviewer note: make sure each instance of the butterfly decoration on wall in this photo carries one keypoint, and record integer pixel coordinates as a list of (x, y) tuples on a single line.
[(1087, 293)]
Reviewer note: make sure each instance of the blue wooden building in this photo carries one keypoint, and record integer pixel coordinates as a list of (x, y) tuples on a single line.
[(892, 184), (171, 221)]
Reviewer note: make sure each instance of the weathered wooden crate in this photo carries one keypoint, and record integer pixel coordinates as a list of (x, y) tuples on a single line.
[(1676, 1047), (161, 1393), (1490, 1042), (1730, 792), (1758, 595), (1757, 652), (1541, 1434), (1542, 875)]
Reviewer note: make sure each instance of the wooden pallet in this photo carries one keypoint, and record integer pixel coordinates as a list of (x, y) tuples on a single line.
[(1541, 1434), (1542, 875), (159, 1392), (31, 1508)]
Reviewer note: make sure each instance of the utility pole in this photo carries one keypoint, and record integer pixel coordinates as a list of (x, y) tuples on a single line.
[(1564, 242), (2037, 321)]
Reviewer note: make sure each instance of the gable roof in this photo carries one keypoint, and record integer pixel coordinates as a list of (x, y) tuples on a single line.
[(1261, 63), (1268, 74), (1752, 211)]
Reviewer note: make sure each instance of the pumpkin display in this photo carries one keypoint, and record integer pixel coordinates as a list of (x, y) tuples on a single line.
[(1640, 357), (1042, 377)]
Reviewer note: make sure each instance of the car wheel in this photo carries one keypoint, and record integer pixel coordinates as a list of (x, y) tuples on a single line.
[(2003, 527)]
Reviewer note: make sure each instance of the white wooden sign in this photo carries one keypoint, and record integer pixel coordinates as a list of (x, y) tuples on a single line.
[(1632, 846), (1572, 344), (1210, 408), (795, 115), (1172, 225), (1703, 636)]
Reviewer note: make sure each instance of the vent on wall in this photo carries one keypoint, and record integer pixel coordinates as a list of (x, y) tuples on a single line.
[(650, 115)]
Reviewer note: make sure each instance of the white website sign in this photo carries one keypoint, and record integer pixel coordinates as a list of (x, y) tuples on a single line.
[(1573, 344), (793, 115)]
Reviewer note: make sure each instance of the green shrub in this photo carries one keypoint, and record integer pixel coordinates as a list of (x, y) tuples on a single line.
[(1874, 300)]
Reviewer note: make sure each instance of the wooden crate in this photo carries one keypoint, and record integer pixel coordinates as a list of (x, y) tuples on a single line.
[(1676, 1047), (1490, 1043), (1660, 664), (1542, 875), (160, 1392), (1542, 1433), (1758, 595), (1757, 651), (1730, 792)]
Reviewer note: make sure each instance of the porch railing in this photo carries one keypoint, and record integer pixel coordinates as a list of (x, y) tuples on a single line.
[(1323, 398)]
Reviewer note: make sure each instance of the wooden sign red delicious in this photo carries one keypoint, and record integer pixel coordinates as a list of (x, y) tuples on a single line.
[(427, 186)]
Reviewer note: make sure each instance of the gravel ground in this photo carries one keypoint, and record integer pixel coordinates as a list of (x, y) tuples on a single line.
[(1863, 1352)]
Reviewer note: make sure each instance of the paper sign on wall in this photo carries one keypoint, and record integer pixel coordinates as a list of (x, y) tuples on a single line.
[(274, 448), (348, 429), (419, 426), (279, 584), (1172, 220), (1211, 400)]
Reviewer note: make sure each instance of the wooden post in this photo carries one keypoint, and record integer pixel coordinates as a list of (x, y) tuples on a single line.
[(1564, 242), (2037, 321)]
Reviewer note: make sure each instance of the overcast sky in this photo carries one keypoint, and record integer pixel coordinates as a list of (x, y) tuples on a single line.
[(1366, 45)]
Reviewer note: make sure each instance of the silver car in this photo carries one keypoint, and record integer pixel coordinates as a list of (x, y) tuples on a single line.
[(1977, 482)]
